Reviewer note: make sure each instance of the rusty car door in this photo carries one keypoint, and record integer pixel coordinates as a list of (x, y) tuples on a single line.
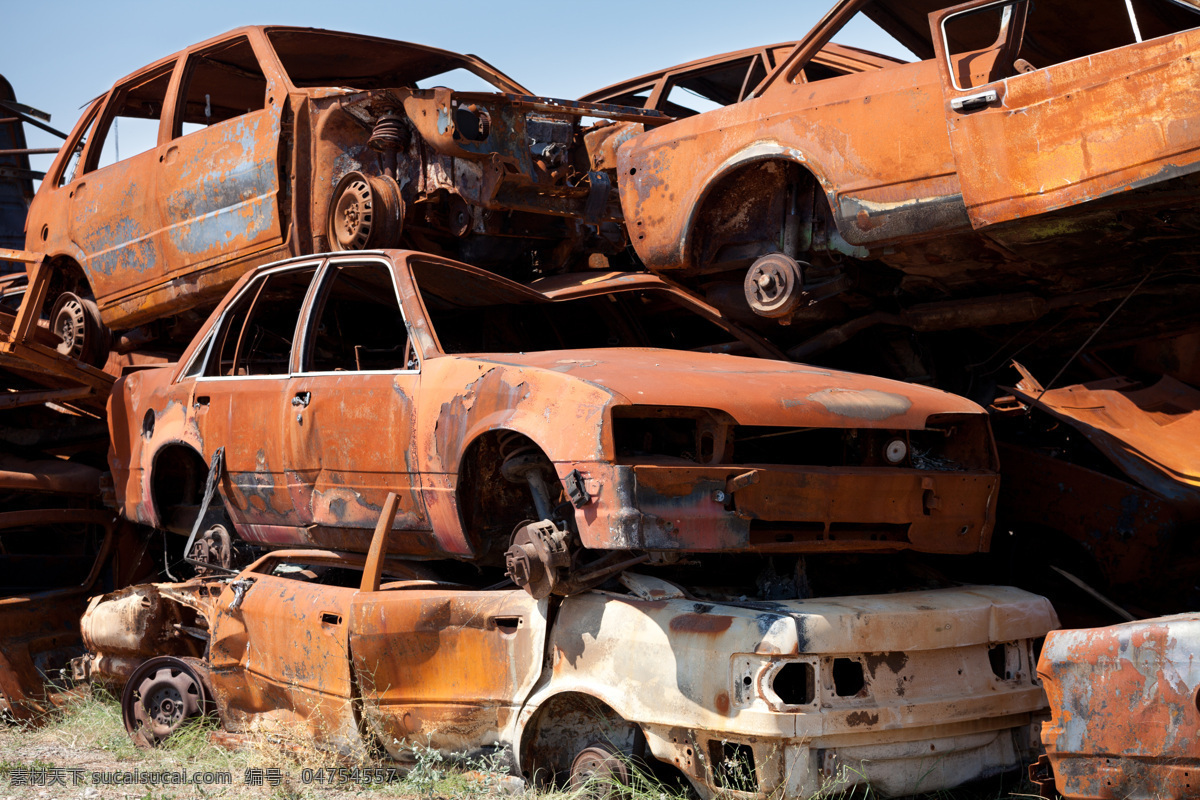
[(350, 440), (241, 404), (219, 174), (114, 214), (447, 667), (1046, 110), (279, 649)]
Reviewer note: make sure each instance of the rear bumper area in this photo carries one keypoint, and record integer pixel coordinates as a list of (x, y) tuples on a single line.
[(792, 509), (906, 763)]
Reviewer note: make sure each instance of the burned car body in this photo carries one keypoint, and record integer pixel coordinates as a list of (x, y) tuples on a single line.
[(1123, 709), (328, 382), (1100, 480), (1026, 165), (910, 691), (271, 141)]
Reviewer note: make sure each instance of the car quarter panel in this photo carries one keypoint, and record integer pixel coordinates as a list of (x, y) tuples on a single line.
[(875, 141), (1123, 708)]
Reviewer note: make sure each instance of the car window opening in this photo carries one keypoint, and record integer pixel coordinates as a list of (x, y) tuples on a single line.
[(221, 85), (131, 124), (725, 85), (256, 334), (624, 319), (359, 324)]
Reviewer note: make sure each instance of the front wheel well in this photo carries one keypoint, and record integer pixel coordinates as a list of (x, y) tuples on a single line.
[(490, 505), (567, 723)]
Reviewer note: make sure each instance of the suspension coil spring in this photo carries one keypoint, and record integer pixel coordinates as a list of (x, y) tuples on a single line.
[(390, 133), (516, 451)]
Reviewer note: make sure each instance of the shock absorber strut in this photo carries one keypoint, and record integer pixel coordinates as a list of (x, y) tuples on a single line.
[(524, 463)]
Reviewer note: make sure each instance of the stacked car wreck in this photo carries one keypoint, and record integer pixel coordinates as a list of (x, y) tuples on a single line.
[(591, 434)]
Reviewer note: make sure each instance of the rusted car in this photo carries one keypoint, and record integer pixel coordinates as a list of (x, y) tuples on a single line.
[(1123, 709), (908, 692), (266, 142), (1023, 164), (567, 414)]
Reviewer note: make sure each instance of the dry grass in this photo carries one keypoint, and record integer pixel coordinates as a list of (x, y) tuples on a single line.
[(86, 734)]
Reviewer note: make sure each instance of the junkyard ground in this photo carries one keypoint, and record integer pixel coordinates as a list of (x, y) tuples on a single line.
[(83, 750)]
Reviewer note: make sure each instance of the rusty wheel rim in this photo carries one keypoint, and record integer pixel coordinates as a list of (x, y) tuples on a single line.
[(69, 321), (600, 772), (161, 696), (351, 217)]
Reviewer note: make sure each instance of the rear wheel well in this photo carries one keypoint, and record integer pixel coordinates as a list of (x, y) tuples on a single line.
[(67, 276), (177, 479), (765, 206)]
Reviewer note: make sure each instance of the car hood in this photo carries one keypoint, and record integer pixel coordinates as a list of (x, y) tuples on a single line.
[(753, 391)]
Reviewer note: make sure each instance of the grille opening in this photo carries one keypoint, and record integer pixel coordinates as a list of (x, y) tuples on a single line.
[(848, 678), (795, 683), (998, 657), (733, 766)]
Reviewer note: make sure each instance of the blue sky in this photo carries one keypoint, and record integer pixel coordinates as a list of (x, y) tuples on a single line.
[(63, 54)]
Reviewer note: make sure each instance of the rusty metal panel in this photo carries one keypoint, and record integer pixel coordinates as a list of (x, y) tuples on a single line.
[(1151, 432), (1132, 534), (279, 655), (1124, 719), (39, 629), (446, 665), (1076, 131)]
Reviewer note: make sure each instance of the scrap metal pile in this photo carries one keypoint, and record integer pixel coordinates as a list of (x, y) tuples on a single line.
[(752, 422)]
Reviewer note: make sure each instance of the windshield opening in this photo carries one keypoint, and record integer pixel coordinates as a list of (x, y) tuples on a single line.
[(476, 314), (321, 58)]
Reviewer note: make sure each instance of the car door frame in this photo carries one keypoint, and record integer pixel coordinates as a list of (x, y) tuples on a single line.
[(279, 648), (176, 151), (142, 238), (312, 394), (214, 400)]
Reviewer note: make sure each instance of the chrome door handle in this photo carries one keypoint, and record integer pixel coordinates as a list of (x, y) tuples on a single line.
[(974, 101), (301, 399)]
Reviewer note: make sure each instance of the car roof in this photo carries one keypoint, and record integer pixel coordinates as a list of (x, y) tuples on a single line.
[(853, 58), (467, 60)]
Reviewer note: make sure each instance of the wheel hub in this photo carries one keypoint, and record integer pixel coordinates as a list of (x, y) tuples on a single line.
[(774, 285)]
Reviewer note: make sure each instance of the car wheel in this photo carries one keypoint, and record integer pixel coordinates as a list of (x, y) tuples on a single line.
[(600, 771), (76, 321), (161, 696), (366, 213)]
